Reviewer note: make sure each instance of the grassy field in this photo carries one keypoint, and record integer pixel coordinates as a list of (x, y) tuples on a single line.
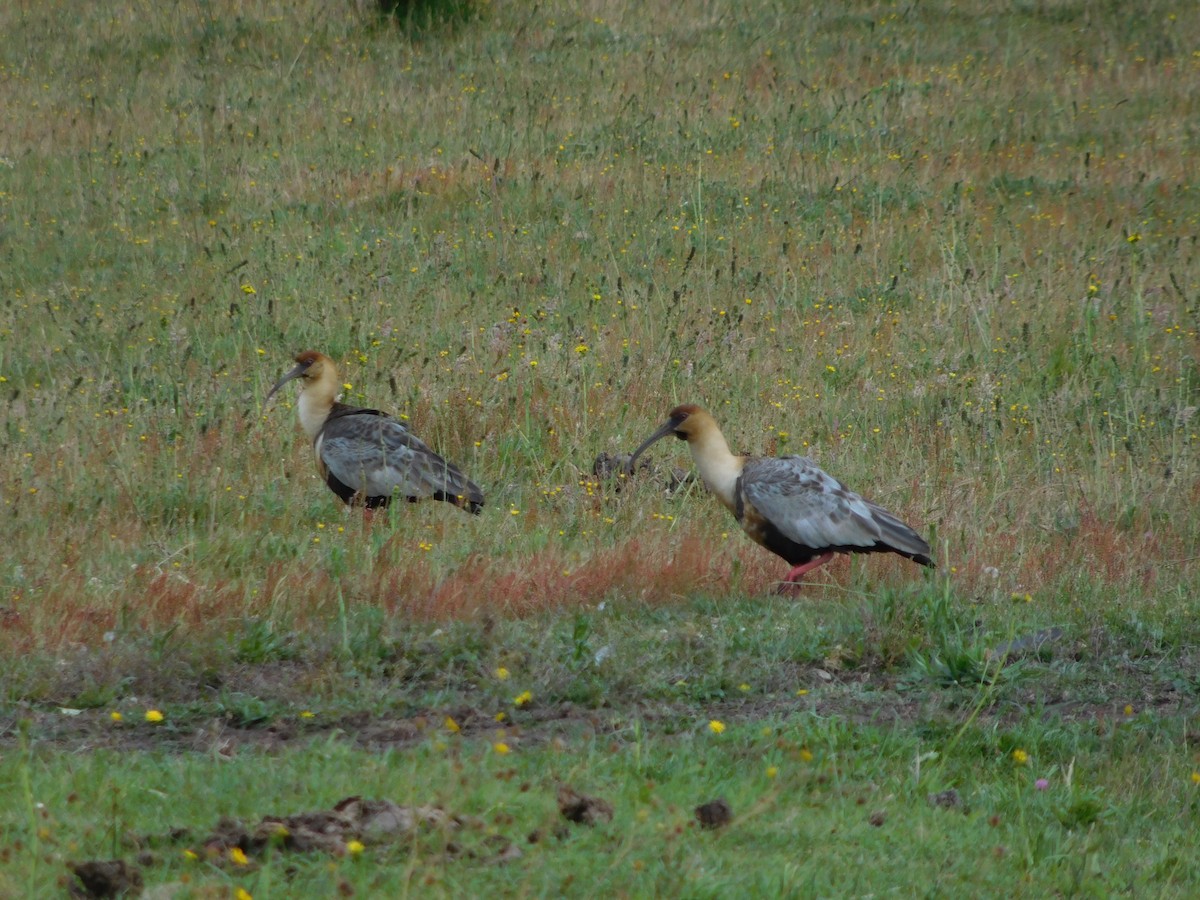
[(948, 250)]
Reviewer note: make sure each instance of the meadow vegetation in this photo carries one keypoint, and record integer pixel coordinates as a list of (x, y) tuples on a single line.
[(948, 250)]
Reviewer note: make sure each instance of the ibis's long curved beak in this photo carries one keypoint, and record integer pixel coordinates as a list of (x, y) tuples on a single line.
[(666, 428), (296, 372)]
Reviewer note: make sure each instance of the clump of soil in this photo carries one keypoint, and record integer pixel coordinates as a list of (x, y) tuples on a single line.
[(947, 799), (329, 831), (576, 807), (105, 878), (616, 467), (715, 813)]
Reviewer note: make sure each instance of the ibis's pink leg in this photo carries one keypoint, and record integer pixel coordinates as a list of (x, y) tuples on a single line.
[(789, 580)]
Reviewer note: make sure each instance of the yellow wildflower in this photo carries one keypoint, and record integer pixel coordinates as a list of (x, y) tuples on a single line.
[(716, 726), (153, 715)]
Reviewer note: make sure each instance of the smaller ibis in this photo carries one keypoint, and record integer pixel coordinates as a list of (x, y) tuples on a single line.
[(365, 456), (787, 504)]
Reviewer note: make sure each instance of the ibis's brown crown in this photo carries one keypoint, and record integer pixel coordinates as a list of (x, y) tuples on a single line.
[(312, 361), (689, 421)]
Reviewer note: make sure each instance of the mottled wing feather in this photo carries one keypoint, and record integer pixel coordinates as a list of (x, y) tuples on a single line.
[(816, 510), (378, 456)]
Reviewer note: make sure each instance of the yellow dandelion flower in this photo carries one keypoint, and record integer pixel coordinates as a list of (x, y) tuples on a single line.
[(743, 687), (115, 716), (355, 847), (502, 673), (801, 692), (716, 726), (451, 725), (153, 715), (190, 855), (772, 771), (1196, 778), (248, 289), (522, 698), (238, 856), (243, 894), (500, 747), (307, 714), (806, 754), (1129, 709), (1020, 757)]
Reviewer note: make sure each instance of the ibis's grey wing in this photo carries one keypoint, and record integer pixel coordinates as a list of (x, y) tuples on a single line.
[(378, 456), (816, 510)]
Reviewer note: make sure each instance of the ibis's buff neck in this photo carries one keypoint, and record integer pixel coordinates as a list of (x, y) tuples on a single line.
[(316, 400), (718, 466)]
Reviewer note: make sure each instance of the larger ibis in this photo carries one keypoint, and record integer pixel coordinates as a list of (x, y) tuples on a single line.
[(787, 504), (365, 456)]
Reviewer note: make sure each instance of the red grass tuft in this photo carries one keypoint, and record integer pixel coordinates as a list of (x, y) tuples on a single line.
[(656, 569)]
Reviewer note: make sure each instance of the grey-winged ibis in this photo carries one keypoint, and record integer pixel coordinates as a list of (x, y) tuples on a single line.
[(787, 504), (364, 455)]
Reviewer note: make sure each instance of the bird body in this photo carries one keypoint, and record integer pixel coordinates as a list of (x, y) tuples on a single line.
[(365, 456), (788, 504)]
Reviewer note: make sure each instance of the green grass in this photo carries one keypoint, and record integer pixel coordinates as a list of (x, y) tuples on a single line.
[(948, 250), (822, 806)]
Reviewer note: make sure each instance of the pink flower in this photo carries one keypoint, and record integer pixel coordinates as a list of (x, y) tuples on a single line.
[(1041, 784)]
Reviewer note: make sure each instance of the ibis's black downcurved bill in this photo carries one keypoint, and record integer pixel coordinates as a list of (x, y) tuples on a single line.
[(666, 428), (296, 372)]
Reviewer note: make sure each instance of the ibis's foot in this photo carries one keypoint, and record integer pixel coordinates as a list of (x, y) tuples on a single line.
[(791, 580), (788, 588)]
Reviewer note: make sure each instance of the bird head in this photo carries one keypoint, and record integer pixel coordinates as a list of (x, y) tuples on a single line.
[(684, 422), (310, 365)]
